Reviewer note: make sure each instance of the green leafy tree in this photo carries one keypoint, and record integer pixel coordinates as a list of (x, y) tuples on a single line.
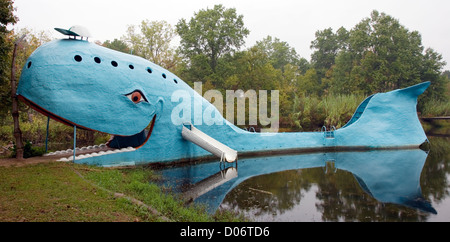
[(153, 42), (377, 55), (279, 52), (254, 71), (31, 41), (387, 52), (118, 45), (271, 64), (6, 17), (210, 35), (430, 70), (308, 84), (326, 47)]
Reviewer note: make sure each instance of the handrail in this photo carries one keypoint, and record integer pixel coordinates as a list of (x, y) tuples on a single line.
[(328, 134)]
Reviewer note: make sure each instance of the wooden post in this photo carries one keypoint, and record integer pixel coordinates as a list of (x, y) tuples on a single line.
[(15, 104)]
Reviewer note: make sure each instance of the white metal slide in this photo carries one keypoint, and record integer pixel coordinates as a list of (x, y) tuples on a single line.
[(201, 139)]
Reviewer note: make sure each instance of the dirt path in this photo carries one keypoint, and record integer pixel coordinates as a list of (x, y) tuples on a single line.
[(7, 162)]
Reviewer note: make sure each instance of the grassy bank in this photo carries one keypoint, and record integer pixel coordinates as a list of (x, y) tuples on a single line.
[(70, 192)]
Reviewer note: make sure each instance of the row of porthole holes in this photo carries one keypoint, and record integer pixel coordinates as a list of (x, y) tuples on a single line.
[(97, 60)]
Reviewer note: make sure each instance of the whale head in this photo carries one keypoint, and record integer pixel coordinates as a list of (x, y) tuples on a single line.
[(92, 87)]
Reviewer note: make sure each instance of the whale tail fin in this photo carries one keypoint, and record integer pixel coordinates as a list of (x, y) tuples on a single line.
[(388, 119), (415, 90), (411, 92)]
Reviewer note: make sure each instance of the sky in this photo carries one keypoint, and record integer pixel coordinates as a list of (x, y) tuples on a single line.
[(292, 21)]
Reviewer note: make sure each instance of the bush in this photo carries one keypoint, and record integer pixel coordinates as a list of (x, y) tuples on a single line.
[(29, 150)]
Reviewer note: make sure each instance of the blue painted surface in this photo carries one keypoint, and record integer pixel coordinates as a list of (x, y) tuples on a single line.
[(390, 176), (89, 86)]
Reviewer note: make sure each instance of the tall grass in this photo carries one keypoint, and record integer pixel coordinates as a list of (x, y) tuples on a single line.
[(339, 109), (310, 113), (435, 108)]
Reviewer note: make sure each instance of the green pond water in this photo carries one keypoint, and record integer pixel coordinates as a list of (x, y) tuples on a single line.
[(398, 185)]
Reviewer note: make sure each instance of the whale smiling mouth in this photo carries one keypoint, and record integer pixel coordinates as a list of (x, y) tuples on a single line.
[(117, 144), (136, 141)]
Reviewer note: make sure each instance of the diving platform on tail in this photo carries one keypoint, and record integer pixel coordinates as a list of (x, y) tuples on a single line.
[(430, 119), (208, 143)]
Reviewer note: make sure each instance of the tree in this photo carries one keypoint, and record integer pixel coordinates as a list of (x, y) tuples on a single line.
[(326, 47), (32, 41), (279, 52), (153, 42), (377, 55), (6, 17), (309, 83), (389, 54), (118, 45), (430, 70), (210, 35), (254, 71), (15, 102)]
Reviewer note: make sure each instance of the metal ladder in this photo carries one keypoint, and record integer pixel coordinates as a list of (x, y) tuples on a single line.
[(328, 134)]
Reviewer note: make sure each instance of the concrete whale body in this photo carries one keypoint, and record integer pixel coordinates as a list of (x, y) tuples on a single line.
[(92, 87)]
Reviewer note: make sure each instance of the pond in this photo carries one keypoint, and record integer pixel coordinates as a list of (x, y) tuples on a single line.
[(381, 185)]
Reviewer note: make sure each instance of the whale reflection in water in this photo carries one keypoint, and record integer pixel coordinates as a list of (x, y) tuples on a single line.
[(389, 176), (209, 183)]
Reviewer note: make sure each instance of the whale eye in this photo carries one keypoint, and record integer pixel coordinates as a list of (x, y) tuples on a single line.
[(136, 97)]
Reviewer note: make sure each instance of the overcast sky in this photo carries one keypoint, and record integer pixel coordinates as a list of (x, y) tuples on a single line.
[(293, 21)]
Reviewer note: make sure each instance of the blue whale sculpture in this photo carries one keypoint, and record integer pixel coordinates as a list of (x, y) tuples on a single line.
[(92, 87)]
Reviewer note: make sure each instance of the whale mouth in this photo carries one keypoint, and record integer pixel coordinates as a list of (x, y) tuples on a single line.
[(117, 144), (136, 141)]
